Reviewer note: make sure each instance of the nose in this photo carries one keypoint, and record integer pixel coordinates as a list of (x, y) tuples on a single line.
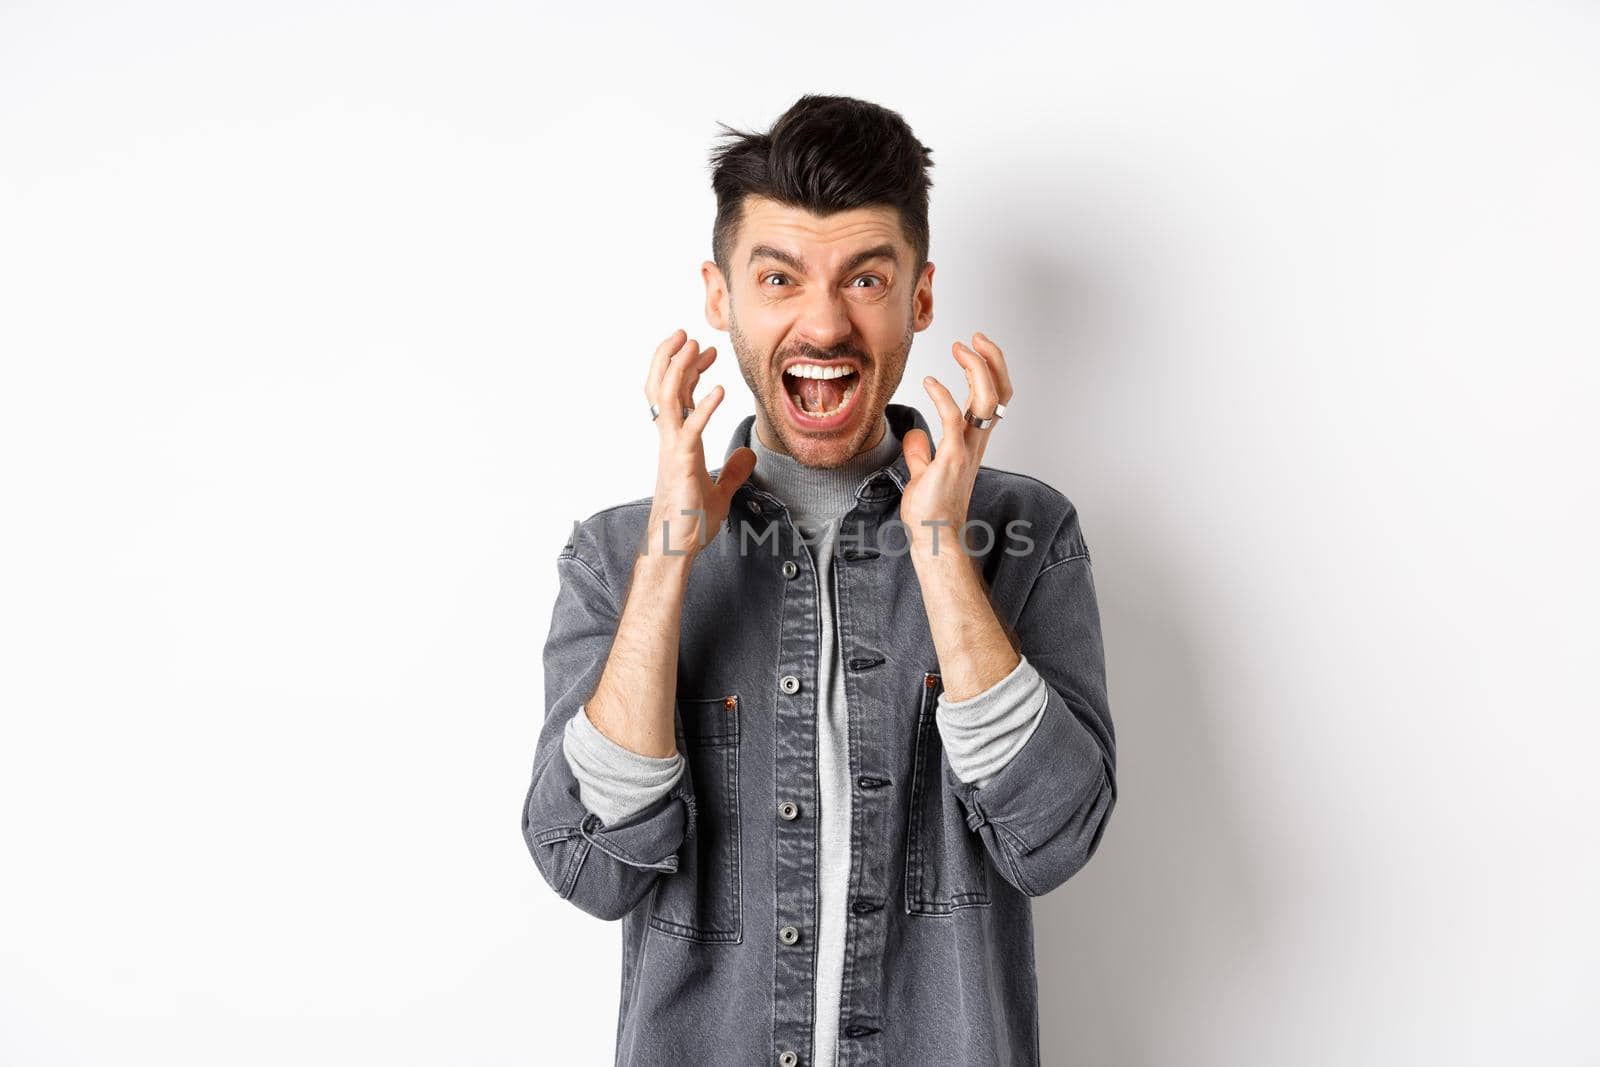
[(825, 319)]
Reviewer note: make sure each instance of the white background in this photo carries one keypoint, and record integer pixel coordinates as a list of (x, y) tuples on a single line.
[(321, 323)]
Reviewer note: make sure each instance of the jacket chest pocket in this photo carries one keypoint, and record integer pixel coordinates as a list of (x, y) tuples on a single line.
[(700, 900), (945, 864)]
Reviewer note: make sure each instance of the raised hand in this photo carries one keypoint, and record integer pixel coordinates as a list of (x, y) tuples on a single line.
[(935, 501), (688, 506)]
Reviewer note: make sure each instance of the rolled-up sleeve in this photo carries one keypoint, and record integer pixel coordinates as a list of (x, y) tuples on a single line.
[(1042, 814), (983, 733), (614, 781), (604, 861)]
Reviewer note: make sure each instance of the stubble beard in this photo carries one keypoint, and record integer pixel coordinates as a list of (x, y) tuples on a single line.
[(766, 383)]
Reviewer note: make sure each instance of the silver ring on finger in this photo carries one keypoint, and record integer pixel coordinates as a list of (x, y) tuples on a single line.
[(999, 411), (982, 424), (655, 412)]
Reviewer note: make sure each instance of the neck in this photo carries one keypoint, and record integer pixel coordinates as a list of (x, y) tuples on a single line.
[(771, 443), (816, 496)]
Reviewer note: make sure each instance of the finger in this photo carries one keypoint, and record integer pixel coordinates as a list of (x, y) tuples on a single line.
[(658, 363), (692, 374), (949, 414), (982, 396), (735, 470), (696, 422), (997, 365), (656, 386), (917, 450), (982, 403), (671, 392)]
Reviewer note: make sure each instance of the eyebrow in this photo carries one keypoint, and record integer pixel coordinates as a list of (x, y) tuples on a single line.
[(794, 262)]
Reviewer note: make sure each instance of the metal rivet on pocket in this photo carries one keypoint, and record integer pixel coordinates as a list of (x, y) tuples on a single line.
[(730, 702), (930, 680)]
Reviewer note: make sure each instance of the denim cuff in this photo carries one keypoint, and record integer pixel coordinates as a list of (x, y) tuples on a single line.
[(636, 837), (1055, 775)]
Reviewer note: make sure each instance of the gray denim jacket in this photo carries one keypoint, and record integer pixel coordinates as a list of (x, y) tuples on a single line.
[(716, 883)]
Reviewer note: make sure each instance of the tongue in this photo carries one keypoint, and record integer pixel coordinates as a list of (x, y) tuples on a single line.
[(822, 394)]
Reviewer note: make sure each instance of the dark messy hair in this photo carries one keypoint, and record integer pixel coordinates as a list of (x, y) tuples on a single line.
[(825, 154)]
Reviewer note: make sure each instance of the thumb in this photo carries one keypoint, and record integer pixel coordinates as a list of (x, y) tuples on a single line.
[(734, 471), (917, 449)]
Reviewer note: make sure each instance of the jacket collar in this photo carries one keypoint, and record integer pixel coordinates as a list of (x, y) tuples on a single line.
[(901, 417)]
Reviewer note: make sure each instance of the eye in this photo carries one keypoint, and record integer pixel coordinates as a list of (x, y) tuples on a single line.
[(774, 274), (871, 277)]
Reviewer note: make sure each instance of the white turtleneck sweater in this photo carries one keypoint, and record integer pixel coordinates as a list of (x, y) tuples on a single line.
[(980, 734)]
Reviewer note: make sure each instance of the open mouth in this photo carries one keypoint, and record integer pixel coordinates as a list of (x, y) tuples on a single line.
[(820, 391)]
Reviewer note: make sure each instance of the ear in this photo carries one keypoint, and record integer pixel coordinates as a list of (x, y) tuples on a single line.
[(716, 295), (922, 300)]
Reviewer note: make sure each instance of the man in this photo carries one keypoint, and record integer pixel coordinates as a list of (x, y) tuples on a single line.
[(821, 722)]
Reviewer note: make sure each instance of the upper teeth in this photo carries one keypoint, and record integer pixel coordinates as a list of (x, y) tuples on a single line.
[(811, 370)]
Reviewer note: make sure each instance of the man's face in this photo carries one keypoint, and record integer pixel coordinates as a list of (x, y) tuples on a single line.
[(821, 312)]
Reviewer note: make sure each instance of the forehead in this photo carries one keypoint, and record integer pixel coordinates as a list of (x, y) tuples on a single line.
[(818, 239)]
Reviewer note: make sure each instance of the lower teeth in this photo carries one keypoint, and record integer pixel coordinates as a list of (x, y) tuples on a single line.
[(800, 404)]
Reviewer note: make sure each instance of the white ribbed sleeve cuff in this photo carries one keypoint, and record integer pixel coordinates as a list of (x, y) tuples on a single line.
[(981, 734), (613, 781)]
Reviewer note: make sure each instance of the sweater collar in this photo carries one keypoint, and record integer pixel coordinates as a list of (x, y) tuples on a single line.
[(901, 417)]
